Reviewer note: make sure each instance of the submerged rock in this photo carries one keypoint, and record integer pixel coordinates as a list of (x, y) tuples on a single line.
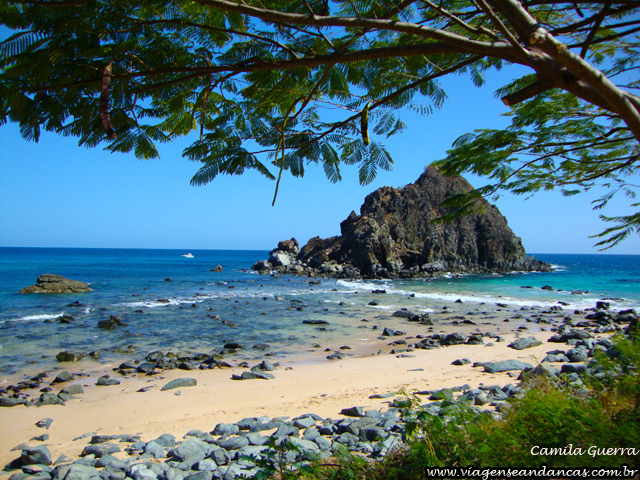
[(52, 283)]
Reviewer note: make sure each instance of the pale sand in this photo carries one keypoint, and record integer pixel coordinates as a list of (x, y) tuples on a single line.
[(315, 386)]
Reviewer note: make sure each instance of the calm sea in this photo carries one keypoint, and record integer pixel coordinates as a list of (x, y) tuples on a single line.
[(206, 309)]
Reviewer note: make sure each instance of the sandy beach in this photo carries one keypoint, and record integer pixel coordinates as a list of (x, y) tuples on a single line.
[(305, 384)]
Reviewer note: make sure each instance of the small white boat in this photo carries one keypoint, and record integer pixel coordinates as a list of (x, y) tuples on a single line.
[(188, 255)]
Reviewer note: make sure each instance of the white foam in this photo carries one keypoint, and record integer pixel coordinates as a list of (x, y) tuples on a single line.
[(31, 318)]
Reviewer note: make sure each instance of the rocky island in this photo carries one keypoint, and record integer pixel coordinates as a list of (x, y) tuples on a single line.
[(52, 283), (395, 237)]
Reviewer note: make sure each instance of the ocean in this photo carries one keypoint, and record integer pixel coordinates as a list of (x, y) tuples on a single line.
[(201, 310)]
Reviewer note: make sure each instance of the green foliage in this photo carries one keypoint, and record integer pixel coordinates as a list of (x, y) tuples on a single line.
[(277, 86), (603, 413), (551, 414)]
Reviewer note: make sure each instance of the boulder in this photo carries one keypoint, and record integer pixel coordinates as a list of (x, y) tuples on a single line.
[(522, 343), (69, 357), (52, 283), (280, 259), (506, 365), (36, 456), (217, 268), (111, 323), (180, 383), (289, 246)]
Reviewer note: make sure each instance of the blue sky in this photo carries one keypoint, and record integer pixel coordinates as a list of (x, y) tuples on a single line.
[(56, 194)]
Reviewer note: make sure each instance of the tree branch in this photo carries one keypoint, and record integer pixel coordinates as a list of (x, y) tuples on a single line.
[(275, 16), (525, 93), (596, 25)]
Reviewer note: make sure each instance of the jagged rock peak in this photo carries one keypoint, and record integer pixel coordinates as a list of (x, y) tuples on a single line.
[(395, 236)]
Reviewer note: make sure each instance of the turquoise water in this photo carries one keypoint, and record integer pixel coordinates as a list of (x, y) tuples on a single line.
[(207, 309)]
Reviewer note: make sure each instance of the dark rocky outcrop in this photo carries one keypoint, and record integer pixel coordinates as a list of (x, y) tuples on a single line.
[(52, 283), (395, 236)]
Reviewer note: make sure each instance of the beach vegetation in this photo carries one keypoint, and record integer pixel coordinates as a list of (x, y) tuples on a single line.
[(556, 422), (276, 86)]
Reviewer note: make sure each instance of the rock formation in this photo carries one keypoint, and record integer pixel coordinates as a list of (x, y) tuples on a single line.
[(51, 283), (395, 236)]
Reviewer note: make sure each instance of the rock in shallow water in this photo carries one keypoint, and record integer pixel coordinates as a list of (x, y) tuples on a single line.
[(52, 283)]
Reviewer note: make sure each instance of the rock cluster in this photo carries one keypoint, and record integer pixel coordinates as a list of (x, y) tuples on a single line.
[(229, 451), (52, 283), (395, 237)]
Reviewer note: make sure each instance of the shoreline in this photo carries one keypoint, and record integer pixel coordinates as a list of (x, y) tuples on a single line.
[(304, 383), (323, 389)]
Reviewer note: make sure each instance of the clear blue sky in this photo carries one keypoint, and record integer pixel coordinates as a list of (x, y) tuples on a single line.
[(56, 194)]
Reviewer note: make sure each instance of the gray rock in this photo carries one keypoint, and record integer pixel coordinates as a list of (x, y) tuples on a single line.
[(105, 381), (110, 460), (154, 449), (453, 339), (280, 259), (506, 365), (303, 422), (193, 448), (206, 465), (95, 439), (352, 412), (233, 443), (225, 429), (73, 390), (285, 430), (100, 450), (52, 283), (36, 455), (111, 323), (323, 444), (63, 459), (220, 456), (76, 471), (62, 377), (573, 368), (166, 440), (253, 451), (556, 358), (474, 340), (233, 472), (12, 401), (49, 399), (141, 472), (112, 473), (577, 355), (461, 361), (180, 383), (67, 356), (176, 474), (20, 476), (303, 445), (545, 370), (347, 439), (372, 434), (257, 439), (522, 343)]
